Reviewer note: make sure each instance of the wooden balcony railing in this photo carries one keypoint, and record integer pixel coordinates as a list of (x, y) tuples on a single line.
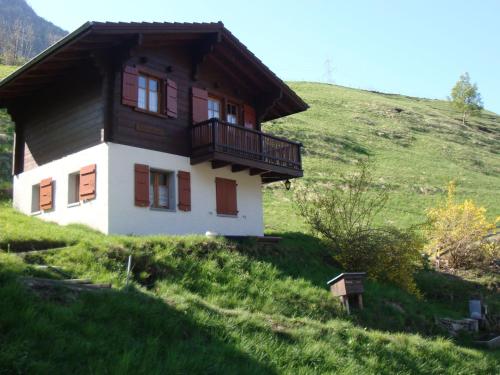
[(218, 136)]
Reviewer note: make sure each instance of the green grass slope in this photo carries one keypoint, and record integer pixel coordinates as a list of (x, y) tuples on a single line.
[(417, 146), (201, 305)]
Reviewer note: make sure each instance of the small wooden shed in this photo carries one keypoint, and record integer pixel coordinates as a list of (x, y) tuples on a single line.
[(348, 286)]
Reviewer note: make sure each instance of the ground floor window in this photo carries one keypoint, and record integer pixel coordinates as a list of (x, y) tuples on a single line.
[(161, 189), (35, 198), (74, 188)]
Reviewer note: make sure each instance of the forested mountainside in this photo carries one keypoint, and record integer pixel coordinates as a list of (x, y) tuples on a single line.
[(23, 33)]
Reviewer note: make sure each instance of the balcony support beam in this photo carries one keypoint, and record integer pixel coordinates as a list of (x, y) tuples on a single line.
[(256, 171), (238, 168), (216, 164)]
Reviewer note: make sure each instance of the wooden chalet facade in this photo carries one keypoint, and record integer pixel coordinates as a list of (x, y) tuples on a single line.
[(149, 128)]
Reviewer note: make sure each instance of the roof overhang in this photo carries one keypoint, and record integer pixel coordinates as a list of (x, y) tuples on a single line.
[(80, 45)]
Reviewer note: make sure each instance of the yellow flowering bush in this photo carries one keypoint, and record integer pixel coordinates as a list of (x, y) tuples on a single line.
[(457, 231)]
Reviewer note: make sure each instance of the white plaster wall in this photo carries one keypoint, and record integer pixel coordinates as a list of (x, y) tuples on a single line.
[(93, 213), (126, 218)]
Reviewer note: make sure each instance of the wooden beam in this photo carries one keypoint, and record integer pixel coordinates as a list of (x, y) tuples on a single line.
[(267, 103), (219, 164), (201, 51), (256, 171), (239, 65), (234, 77), (238, 168), (31, 81)]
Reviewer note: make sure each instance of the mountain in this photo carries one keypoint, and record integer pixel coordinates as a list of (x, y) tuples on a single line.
[(23, 33)]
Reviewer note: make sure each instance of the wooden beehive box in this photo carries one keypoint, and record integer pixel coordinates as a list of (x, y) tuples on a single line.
[(348, 283)]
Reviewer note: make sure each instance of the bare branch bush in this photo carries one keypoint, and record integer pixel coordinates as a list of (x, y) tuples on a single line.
[(344, 215)]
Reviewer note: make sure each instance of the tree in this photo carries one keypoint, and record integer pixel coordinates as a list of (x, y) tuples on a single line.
[(465, 97)]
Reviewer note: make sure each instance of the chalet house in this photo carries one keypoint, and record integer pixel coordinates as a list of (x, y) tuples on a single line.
[(148, 128)]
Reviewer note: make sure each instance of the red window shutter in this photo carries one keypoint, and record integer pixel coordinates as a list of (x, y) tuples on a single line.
[(170, 98), (249, 118), (184, 181), (141, 185), (87, 182), (46, 194), (200, 105), (226, 200), (129, 86)]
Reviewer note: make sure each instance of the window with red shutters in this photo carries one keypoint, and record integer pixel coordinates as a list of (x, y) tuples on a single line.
[(171, 98), (87, 182), (46, 193), (226, 200), (141, 185), (199, 104), (184, 182), (249, 118), (130, 86)]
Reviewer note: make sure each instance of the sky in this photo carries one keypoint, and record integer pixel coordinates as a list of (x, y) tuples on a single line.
[(417, 48)]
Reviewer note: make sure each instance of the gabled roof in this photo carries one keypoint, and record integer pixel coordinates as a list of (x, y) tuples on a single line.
[(77, 46)]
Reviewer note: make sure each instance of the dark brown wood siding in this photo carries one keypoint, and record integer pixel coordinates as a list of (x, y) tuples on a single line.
[(163, 133), (64, 118)]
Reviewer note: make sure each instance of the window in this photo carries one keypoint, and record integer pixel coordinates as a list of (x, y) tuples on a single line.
[(35, 198), (74, 188), (213, 108), (161, 189), (147, 98), (232, 113)]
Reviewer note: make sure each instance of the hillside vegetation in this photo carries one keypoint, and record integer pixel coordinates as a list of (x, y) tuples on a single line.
[(417, 146), (6, 137), (198, 305), (23, 33)]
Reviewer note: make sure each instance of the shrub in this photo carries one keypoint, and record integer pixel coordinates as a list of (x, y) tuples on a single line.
[(457, 231), (344, 216)]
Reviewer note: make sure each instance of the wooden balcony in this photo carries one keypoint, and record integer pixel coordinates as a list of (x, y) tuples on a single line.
[(263, 154)]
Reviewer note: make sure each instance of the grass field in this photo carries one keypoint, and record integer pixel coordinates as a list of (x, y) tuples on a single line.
[(417, 146), (211, 306)]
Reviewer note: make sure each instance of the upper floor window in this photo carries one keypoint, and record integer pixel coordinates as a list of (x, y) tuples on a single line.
[(232, 113), (213, 108), (148, 96)]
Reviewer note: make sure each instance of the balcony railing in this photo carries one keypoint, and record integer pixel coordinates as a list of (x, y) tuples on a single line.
[(216, 136)]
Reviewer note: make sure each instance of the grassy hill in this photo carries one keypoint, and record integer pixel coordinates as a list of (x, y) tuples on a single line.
[(417, 146), (201, 305)]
